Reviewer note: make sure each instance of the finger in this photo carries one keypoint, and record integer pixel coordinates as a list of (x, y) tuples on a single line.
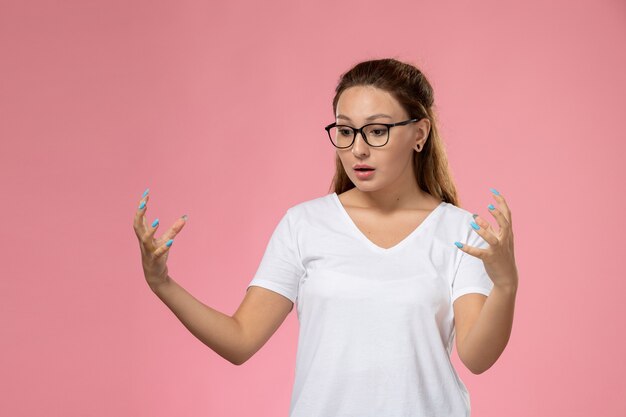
[(152, 229), (503, 206), (172, 231), (148, 237), (484, 233), (163, 248), (505, 226), (139, 223), (477, 252), (145, 233), (485, 230)]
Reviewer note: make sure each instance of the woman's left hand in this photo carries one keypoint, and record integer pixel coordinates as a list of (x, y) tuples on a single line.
[(499, 257)]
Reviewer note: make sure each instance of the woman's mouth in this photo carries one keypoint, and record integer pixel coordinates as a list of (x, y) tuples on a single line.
[(363, 174)]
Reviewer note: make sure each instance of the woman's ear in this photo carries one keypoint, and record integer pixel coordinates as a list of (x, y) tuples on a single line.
[(423, 130), (424, 127)]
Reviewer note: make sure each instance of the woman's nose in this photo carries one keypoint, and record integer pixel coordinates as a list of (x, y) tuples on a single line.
[(359, 146)]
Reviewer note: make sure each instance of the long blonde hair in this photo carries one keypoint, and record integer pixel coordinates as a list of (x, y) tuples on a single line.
[(409, 86)]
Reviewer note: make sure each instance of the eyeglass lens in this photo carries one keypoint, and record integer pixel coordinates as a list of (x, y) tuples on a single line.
[(342, 136)]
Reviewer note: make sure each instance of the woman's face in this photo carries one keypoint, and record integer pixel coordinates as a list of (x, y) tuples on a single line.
[(393, 162)]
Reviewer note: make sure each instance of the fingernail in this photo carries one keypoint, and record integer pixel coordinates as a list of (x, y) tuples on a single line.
[(493, 190), (458, 244), (169, 243), (184, 217), (142, 205), (490, 207), (145, 193), (475, 226), (475, 215), (155, 222)]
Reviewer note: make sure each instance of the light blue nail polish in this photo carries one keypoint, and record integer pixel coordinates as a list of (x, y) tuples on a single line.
[(142, 205), (490, 207), (493, 190), (145, 193), (155, 222), (458, 244), (169, 243), (475, 226)]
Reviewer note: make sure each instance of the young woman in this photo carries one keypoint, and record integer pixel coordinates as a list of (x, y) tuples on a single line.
[(385, 271)]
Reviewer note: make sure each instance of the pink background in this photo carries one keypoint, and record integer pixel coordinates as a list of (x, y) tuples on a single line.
[(219, 109)]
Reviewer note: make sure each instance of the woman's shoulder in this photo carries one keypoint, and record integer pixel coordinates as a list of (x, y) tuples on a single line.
[(314, 206), (453, 215)]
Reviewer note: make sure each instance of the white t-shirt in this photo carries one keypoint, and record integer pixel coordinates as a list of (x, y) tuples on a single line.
[(376, 325)]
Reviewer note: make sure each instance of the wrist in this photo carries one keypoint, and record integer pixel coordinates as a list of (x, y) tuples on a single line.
[(161, 285)]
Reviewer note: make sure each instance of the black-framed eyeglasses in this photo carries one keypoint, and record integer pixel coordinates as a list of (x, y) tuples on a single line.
[(374, 134)]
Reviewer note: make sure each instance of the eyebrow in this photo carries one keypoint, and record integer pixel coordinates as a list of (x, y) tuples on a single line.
[(372, 117)]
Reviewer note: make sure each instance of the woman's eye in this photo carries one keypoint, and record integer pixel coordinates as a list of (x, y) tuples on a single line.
[(345, 132)]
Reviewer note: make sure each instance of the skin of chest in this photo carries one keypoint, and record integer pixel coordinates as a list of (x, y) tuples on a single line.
[(386, 230)]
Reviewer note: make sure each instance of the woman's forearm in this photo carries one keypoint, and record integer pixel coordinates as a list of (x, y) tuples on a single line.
[(217, 330), (486, 341)]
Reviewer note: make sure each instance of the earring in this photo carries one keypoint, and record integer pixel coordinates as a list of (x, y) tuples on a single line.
[(418, 148)]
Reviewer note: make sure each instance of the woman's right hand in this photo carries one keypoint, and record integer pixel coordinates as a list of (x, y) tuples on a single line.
[(154, 252)]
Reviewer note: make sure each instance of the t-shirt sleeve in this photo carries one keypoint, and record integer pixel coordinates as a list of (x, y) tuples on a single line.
[(281, 268), (471, 276)]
